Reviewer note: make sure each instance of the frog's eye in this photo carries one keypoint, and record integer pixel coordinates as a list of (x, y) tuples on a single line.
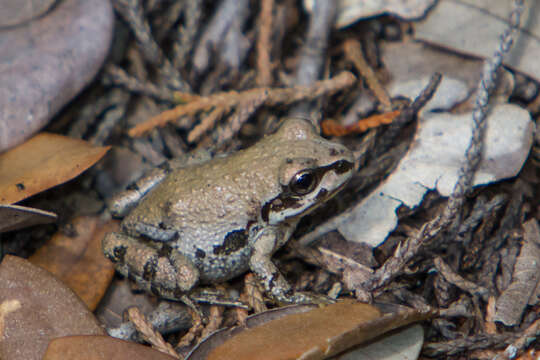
[(303, 182)]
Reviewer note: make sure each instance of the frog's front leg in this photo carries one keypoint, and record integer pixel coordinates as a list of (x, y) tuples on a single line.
[(163, 271), (260, 262), (123, 202)]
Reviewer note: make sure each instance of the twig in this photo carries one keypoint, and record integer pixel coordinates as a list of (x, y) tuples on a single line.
[(132, 12), (489, 323), (163, 23), (406, 115), (331, 127), (454, 347), (90, 112), (149, 334), (253, 294), (215, 320), (223, 32), (473, 154), (240, 116), (480, 210), (206, 124), (112, 116), (116, 76), (313, 53), (230, 99), (353, 52), (528, 337), (264, 45), (455, 279), (187, 32), (166, 318), (196, 327)]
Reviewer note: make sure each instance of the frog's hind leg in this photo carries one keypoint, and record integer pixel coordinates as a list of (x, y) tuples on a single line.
[(163, 272)]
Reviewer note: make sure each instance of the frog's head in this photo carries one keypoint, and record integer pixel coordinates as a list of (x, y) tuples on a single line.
[(312, 170)]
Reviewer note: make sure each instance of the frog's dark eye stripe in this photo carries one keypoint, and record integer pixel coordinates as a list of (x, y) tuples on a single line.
[(306, 180), (342, 166)]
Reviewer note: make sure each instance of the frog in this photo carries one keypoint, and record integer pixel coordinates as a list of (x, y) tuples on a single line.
[(214, 219)]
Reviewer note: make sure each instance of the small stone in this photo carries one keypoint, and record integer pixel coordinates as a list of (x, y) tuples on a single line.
[(16, 12), (47, 61)]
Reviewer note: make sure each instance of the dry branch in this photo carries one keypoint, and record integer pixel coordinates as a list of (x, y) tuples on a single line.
[(228, 100)]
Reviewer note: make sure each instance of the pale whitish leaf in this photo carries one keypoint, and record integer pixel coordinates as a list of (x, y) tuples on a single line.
[(402, 345), (14, 217), (350, 11), (473, 27), (433, 162)]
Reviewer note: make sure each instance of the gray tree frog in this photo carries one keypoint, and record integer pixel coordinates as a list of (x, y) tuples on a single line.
[(214, 220)]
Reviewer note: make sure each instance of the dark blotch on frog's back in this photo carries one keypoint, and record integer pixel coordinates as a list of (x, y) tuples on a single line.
[(119, 253), (200, 254), (150, 269), (234, 241)]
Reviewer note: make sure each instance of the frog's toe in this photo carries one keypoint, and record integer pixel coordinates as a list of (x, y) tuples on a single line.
[(114, 246), (308, 298)]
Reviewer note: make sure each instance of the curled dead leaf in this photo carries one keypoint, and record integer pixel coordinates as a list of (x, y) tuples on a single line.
[(316, 334), (13, 217), (78, 260)]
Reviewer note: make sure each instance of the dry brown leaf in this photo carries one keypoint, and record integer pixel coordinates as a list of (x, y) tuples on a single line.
[(316, 334), (13, 217), (42, 162), (78, 260), (100, 348), (35, 307)]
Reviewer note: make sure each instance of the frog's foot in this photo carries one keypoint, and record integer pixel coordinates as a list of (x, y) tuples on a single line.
[(163, 272), (273, 281)]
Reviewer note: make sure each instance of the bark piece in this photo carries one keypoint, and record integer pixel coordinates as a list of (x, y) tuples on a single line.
[(514, 299)]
